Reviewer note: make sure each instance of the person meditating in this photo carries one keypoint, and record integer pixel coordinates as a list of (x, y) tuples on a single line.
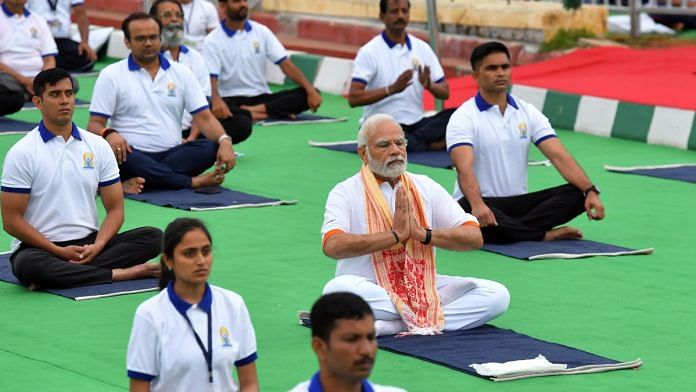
[(488, 139), (50, 181), (383, 224), (191, 336)]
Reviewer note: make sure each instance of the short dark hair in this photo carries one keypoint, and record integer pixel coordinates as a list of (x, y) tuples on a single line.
[(137, 16), (156, 4), (175, 231), (50, 77), (483, 50), (336, 306), (383, 6)]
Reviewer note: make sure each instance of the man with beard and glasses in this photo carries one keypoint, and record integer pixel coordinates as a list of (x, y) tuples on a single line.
[(344, 341), (488, 139), (236, 54), (391, 73), (171, 14), (144, 96), (383, 224)]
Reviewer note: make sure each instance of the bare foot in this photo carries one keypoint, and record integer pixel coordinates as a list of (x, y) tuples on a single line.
[(133, 185), (213, 178), (34, 287), (144, 270), (258, 112), (563, 233)]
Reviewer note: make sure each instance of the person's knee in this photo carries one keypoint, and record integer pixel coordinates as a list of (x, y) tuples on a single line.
[(499, 299), (342, 283), (12, 103), (29, 270), (238, 128), (154, 237)]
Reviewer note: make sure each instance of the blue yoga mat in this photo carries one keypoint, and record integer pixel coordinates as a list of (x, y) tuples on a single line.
[(680, 172), (214, 198), (302, 118), (9, 126), (84, 292), (458, 350), (562, 249), (438, 158)]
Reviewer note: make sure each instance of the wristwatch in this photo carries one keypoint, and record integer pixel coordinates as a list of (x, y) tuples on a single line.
[(592, 188)]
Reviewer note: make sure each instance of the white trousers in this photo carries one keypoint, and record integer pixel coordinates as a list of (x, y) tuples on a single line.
[(475, 307)]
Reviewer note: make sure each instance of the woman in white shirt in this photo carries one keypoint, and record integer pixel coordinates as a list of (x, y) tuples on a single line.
[(192, 335)]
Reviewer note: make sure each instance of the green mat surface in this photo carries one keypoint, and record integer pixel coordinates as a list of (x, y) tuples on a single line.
[(622, 308)]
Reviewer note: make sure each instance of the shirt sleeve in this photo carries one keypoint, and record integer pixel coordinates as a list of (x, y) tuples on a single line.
[(104, 96), (48, 43), (108, 168), (337, 211), (75, 3), (143, 356), (211, 55), (17, 171), (247, 344), (275, 51), (539, 125), (194, 99), (363, 67), (211, 15), (446, 212), (460, 130)]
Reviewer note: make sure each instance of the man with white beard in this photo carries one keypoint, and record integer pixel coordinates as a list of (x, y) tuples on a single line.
[(383, 224), (171, 14)]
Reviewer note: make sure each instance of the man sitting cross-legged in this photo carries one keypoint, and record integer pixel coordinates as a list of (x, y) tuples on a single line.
[(145, 96), (383, 225), (50, 180)]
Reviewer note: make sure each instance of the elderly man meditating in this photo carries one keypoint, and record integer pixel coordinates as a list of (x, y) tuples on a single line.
[(383, 224)]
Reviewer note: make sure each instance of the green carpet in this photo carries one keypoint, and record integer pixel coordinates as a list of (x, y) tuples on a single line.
[(622, 308)]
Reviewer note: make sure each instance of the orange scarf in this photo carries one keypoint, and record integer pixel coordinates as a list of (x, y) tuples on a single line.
[(406, 271)]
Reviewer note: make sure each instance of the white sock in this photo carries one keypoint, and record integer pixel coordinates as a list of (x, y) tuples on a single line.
[(389, 327)]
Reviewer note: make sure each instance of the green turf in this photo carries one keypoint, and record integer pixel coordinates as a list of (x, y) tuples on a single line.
[(622, 308)]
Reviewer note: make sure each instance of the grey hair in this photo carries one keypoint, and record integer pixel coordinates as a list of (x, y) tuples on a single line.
[(371, 124)]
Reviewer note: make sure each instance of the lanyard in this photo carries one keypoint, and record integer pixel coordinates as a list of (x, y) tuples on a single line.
[(208, 354), (187, 24), (53, 4)]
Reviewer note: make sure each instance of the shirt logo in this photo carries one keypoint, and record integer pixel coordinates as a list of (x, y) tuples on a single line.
[(34, 33), (88, 160), (225, 337), (257, 47), (415, 64), (522, 128), (171, 89)]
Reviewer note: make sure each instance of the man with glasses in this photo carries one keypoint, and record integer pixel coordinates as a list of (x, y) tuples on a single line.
[(383, 224), (145, 96)]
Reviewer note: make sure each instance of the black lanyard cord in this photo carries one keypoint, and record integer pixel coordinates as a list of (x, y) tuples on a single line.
[(208, 354)]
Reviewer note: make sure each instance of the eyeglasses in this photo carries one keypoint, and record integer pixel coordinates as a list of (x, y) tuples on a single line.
[(384, 144), (141, 39), (173, 14)]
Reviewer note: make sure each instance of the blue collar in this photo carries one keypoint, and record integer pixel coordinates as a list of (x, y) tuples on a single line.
[(133, 66), (182, 306), (315, 385), (10, 13), (391, 43), (231, 33), (183, 49), (483, 105), (47, 135)]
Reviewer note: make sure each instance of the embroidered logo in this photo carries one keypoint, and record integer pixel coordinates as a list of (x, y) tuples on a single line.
[(523, 130), (415, 64), (171, 89), (88, 160), (257, 47), (225, 337), (34, 33)]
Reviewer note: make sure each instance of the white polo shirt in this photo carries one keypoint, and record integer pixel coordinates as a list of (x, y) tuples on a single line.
[(314, 385), (500, 142), (147, 112), (199, 17), (195, 62), (58, 19), (345, 212), (62, 179), (163, 348), (238, 58), (24, 41), (381, 61)]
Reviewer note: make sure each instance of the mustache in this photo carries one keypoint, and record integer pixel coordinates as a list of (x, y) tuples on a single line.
[(397, 158), (365, 361)]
